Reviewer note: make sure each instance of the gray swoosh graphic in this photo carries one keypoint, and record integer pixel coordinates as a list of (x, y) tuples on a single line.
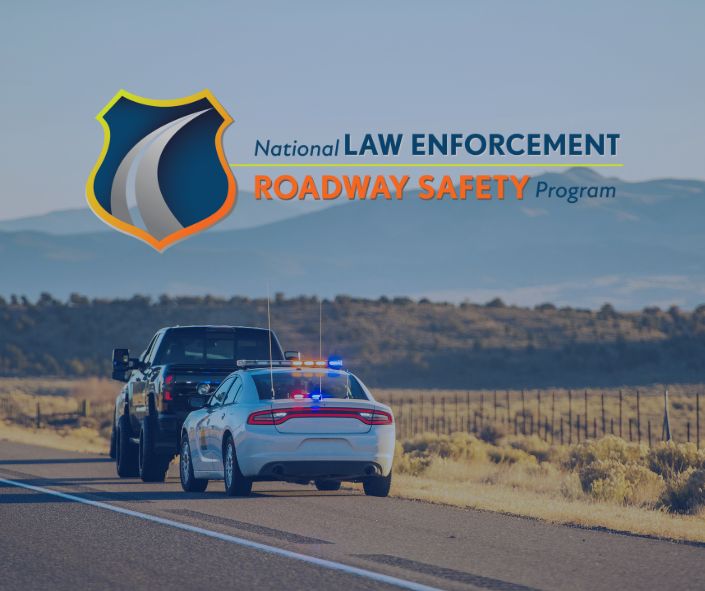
[(155, 212), (118, 191)]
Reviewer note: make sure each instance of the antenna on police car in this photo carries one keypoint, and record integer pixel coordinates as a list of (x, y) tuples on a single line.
[(269, 330)]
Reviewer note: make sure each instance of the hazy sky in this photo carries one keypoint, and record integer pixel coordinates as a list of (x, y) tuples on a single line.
[(315, 70)]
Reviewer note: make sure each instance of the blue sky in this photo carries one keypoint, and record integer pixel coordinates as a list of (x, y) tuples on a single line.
[(315, 70)]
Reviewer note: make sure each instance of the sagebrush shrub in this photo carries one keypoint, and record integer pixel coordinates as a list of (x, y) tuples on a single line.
[(670, 459), (685, 492)]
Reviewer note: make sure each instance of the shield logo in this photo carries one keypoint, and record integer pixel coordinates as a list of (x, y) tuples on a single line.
[(162, 174)]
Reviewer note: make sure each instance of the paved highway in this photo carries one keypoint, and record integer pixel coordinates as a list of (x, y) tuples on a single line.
[(67, 522)]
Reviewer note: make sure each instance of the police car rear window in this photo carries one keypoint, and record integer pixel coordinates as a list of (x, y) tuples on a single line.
[(302, 385)]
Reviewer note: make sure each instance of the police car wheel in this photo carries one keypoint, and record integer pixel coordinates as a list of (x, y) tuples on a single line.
[(236, 485), (377, 486), (328, 484), (188, 481)]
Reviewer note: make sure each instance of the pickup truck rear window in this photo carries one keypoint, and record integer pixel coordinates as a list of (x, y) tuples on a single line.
[(195, 346)]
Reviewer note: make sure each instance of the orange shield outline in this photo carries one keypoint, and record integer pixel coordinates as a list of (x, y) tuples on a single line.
[(121, 226)]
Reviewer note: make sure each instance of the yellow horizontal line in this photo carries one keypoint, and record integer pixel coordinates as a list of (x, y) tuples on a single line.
[(419, 165)]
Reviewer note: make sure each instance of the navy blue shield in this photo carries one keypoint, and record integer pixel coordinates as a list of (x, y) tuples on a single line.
[(162, 175)]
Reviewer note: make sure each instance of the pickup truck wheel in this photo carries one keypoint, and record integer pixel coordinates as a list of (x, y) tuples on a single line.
[(125, 451), (328, 484), (236, 485), (377, 486), (188, 481), (113, 442), (152, 466)]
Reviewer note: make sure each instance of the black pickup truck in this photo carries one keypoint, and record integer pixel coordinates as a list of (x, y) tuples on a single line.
[(176, 373)]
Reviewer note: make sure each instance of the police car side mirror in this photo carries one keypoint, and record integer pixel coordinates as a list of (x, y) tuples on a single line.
[(292, 355)]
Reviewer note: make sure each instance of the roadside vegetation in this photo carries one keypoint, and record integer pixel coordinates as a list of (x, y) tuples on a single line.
[(603, 482)]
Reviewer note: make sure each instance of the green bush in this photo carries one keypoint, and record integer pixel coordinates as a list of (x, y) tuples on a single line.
[(414, 463), (510, 455), (534, 446), (608, 448), (685, 492), (670, 459), (628, 484), (491, 434), (457, 446)]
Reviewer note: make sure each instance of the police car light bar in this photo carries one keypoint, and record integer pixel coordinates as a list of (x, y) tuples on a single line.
[(332, 363)]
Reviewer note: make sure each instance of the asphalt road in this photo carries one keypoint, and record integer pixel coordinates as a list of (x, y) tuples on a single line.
[(108, 533)]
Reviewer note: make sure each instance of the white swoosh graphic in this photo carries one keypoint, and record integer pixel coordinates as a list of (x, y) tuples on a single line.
[(158, 218)]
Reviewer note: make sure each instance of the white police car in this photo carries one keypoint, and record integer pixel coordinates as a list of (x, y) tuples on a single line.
[(297, 421)]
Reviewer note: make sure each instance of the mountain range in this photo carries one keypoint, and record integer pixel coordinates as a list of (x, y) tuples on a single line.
[(643, 247)]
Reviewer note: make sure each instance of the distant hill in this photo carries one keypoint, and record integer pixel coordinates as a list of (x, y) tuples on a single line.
[(247, 214), (644, 247), (389, 342)]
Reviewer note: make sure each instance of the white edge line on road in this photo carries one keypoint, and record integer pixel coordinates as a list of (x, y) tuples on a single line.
[(329, 564)]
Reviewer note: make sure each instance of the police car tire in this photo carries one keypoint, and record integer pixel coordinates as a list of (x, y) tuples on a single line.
[(152, 466), (236, 485), (327, 484), (377, 486), (126, 452), (188, 481)]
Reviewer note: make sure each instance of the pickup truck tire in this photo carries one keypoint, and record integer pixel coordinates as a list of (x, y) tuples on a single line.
[(113, 442), (152, 466), (328, 484), (125, 451), (236, 485), (188, 481), (377, 486)]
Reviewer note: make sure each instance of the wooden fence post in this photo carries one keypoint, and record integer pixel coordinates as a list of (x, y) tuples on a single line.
[(570, 417), (523, 414), (509, 414), (620, 412), (578, 427), (538, 418), (638, 417), (482, 410), (666, 428), (553, 415), (561, 430), (495, 407), (649, 428), (456, 411), (687, 426), (38, 418), (602, 403), (586, 414), (697, 419)]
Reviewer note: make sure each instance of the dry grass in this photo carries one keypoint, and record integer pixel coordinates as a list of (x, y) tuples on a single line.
[(495, 490), (59, 401), (459, 407), (80, 439)]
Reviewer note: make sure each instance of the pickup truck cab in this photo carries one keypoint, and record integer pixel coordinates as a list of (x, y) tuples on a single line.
[(176, 373)]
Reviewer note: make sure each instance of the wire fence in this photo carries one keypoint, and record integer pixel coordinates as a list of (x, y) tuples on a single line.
[(557, 417)]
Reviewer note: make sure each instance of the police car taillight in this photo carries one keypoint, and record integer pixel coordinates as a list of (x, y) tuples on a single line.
[(369, 417)]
